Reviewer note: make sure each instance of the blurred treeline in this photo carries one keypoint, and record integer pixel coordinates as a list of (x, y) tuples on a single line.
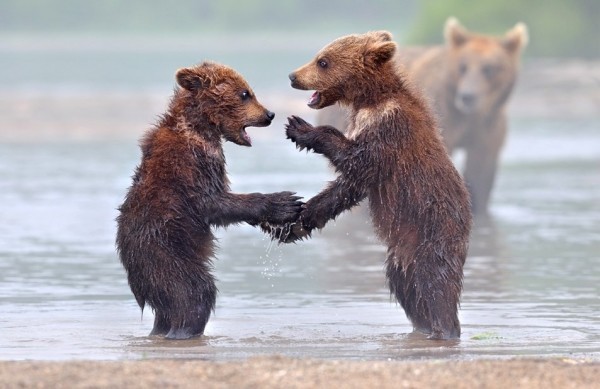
[(201, 15), (557, 27)]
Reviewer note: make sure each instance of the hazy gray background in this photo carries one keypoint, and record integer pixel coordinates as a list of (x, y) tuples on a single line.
[(81, 80), (71, 50), (559, 27)]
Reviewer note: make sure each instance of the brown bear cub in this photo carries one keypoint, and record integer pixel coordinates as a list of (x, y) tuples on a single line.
[(180, 190), (469, 81), (393, 155)]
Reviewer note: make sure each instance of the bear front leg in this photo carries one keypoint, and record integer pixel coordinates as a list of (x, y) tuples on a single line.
[(339, 196), (255, 208), (481, 166), (324, 140), (480, 173)]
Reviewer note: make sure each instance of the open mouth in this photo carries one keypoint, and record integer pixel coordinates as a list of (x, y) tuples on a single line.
[(314, 100), (246, 141)]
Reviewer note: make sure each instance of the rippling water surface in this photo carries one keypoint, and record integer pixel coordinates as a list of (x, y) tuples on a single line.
[(70, 112), (531, 279)]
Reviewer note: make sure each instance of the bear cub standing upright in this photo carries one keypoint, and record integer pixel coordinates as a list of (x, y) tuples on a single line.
[(394, 156), (180, 190), (469, 81)]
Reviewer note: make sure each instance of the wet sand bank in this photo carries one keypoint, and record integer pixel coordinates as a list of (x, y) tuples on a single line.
[(278, 372)]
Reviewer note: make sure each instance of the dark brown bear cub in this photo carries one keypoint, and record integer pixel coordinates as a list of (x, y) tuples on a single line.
[(393, 156), (181, 190)]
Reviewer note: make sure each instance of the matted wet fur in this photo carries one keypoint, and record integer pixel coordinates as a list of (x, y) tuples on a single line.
[(468, 81), (392, 155), (180, 191)]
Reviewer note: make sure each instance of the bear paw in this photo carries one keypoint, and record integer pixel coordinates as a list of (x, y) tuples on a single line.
[(288, 233), (282, 207), (300, 132)]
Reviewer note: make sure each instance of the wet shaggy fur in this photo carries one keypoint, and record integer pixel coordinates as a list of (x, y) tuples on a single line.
[(180, 190), (469, 81), (392, 155)]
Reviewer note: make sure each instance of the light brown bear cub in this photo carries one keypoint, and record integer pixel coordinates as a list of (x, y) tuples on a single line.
[(394, 156), (469, 81), (180, 191)]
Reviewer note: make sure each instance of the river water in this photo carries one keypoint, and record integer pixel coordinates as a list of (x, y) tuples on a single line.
[(531, 278)]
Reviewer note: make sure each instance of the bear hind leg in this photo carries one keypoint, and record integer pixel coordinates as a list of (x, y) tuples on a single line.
[(162, 324), (397, 283), (430, 302), (191, 321)]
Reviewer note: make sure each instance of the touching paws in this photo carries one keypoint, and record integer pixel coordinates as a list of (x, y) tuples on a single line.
[(300, 132), (287, 233), (282, 207), (300, 229)]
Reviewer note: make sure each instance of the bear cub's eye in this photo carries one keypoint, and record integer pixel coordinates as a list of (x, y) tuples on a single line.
[(245, 95), (322, 63)]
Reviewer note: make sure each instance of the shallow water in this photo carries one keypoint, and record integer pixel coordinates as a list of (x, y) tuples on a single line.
[(531, 279), (68, 147)]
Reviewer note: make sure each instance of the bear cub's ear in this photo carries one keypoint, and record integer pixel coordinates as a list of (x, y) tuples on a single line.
[(380, 52), (190, 79), (381, 36)]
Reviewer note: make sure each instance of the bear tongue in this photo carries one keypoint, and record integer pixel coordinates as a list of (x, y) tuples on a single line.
[(314, 99)]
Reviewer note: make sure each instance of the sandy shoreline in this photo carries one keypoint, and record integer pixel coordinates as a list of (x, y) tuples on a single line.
[(279, 372)]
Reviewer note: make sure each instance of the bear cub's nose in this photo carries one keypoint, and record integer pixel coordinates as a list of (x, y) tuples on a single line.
[(270, 115), (292, 76)]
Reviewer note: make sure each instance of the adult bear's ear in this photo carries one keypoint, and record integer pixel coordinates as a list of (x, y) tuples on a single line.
[(191, 79), (379, 53), (455, 34), (516, 38)]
